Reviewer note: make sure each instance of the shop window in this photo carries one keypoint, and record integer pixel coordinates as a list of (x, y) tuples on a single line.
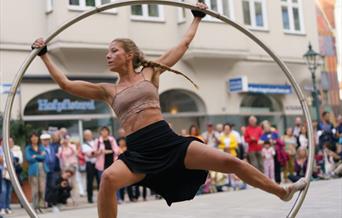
[(180, 101)]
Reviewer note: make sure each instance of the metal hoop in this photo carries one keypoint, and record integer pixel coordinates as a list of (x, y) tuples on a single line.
[(19, 76)]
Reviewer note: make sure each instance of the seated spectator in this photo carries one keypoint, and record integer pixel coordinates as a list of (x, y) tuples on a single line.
[(300, 165)]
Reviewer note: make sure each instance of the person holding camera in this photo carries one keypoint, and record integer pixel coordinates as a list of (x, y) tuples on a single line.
[(61, 191)]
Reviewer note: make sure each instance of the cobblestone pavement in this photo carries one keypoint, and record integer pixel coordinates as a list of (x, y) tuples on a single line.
[(324, 199)]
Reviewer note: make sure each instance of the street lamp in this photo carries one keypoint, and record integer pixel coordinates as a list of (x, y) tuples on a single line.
[(313, 60)]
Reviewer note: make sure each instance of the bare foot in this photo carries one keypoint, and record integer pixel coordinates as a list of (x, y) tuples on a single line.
[(293, 188)]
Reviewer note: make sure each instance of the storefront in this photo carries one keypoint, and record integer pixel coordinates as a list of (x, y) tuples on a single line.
[(182, 109), (265, 101), (57, 109)]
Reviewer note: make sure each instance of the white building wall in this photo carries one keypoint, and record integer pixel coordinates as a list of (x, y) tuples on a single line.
[(218, 52)]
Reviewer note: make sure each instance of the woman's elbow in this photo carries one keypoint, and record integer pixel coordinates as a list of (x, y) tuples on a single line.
[(64, 85)]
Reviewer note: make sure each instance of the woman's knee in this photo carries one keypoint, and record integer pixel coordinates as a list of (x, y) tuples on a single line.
[(110, 178)]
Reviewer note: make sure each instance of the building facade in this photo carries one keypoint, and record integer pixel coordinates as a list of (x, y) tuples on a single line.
[(328, 47), (235, 76)]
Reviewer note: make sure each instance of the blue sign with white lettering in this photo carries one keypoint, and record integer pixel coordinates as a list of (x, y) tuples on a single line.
[(59, 102), (269, 89), (238, 84)]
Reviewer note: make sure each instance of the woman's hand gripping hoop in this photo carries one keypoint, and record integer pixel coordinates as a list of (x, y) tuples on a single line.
[(197, 13), (39, 43)]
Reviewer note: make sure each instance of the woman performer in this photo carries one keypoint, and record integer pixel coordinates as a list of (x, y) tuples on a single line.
[(171, 165)]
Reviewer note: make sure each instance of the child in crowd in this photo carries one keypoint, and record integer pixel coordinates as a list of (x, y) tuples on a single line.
[(268, 156)]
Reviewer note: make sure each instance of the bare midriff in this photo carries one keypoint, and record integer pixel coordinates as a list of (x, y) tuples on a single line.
[(141, 120)]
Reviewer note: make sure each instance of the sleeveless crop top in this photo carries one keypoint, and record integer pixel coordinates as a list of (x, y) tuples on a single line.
[(134, 99)]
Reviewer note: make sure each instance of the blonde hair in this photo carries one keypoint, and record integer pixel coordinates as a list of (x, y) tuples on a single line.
[(139, 58)]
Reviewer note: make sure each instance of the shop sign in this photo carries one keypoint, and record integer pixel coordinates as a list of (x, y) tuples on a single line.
[(6, 87), (269, 89), (238, 84), (60, 102), (65, 105)]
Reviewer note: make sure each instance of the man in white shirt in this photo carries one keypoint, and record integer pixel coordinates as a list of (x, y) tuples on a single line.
[(88, 149), (210, 136)]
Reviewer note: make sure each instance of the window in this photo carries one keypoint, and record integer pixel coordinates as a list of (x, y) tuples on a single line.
[(254, 14), (291, 12), (181, 13), (224, 7), (89, 4), (49, 6), (147, 12)]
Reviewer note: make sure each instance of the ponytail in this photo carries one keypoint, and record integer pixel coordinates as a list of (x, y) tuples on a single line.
[(139, 59), (154, 65)]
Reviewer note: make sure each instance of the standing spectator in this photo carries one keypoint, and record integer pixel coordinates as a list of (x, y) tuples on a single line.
[(63, 132), (195, 132), (244, 143), (339, 129), (240, 149), (210, 136), (55, 144), (121, 133), (184, 132), (290, 147), (50, 161), (219, 128), (80, 169), (252, 135), (67, 155), (107, 150), (1, 170), (6, 188), (273, 138), (35, 155), (326, 132), (300, 165), (123, 147), (303, 138), (228, 141), (17, 158), (268, 156), (297, 127), (88, 148), (6, 191)]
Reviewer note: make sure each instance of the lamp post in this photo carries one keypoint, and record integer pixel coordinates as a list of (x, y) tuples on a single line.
[(313, 61)]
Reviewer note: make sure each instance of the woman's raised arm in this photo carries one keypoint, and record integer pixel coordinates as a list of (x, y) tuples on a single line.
[(172, 56), (96, 91)]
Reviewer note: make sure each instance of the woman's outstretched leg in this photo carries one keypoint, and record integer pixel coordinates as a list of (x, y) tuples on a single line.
[(115, 177), (201, 156)]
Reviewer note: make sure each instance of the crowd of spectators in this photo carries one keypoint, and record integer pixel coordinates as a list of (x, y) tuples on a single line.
[(61, 170)]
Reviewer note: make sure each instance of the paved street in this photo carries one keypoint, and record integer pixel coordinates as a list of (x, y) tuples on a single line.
[(324, 200)]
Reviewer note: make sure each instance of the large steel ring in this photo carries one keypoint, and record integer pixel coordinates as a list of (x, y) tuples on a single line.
[(18, 77)]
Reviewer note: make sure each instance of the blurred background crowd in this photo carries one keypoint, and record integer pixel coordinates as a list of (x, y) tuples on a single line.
[(58, 169)]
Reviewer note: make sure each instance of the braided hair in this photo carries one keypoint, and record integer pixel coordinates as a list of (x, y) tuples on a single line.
[(140, 61)]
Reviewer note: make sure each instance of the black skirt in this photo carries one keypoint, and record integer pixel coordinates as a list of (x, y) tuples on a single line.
[(159, 153)]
